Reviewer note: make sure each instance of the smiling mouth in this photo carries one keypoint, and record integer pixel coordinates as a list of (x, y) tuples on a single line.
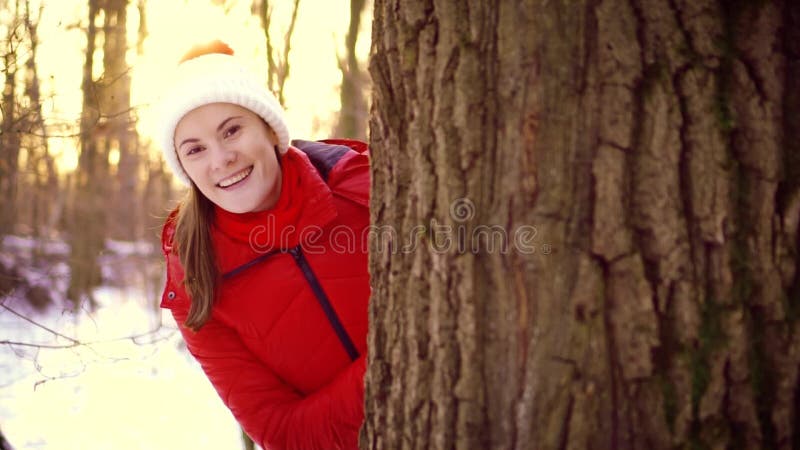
[(236, 178)]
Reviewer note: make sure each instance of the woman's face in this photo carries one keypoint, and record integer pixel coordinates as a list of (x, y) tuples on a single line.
[(228, 152)]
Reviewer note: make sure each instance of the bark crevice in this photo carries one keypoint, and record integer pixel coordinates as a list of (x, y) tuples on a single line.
[(640, 138)]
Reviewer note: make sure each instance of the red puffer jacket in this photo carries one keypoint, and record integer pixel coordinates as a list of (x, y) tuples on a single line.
[(273, 348)]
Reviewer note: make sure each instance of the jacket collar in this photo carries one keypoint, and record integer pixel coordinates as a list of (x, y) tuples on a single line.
[(305, 207)]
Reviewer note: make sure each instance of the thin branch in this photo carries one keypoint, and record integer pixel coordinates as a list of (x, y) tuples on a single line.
[(265, 13), (53, 378), (133, 338), (37, 324), (277, 71), (142, 31), (101, 80), (286, 48), (38, 345), (90, 127)]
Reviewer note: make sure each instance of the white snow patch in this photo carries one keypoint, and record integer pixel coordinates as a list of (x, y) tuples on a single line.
[(128, 248), (49, 247), (118, 393)]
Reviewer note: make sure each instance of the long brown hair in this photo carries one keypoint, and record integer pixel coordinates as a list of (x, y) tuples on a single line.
[(196, 252)]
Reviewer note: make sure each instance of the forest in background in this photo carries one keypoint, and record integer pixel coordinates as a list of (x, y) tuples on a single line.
[(118, 189)]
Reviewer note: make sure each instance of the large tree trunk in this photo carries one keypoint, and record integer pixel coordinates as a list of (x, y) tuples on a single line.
[(640, 159)]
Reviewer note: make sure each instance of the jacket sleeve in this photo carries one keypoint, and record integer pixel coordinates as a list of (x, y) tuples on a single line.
[(272, 413), (350, 177)]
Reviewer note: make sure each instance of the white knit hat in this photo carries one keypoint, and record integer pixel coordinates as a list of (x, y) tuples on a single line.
[(213, 78)]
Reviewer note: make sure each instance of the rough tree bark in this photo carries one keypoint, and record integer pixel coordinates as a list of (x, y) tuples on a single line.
[(648, 150)]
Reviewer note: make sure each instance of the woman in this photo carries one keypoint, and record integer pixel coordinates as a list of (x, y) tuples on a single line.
[(267, 297)]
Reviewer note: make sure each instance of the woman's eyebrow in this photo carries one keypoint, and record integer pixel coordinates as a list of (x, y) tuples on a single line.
[(222, 124), (186, 141), (219, 127)]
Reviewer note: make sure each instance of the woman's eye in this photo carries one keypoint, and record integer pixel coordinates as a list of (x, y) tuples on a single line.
[(232, 130), (193, 150)]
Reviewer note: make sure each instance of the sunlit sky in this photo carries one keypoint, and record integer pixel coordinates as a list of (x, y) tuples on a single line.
[(311, 91)]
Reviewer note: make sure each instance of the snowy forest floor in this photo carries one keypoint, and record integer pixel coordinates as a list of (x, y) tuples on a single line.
[(115, 376)]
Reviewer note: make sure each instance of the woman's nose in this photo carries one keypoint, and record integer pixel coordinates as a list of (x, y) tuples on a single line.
[(223, 157)]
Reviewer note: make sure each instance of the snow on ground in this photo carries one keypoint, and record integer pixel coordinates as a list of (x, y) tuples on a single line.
[(51, 247), (117, 393), (130, 248)]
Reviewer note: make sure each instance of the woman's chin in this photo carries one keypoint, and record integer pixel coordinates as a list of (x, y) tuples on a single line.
[(236, 208), (247, 199)]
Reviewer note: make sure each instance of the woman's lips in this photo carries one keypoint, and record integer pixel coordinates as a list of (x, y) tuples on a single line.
[(236, 178)]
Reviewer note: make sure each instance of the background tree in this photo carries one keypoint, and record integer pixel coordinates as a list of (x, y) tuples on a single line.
[(109, 175), (355, 81), (653, 147), (10, 125), (88, 222), (277, 60), (42, 179), (120, 139)]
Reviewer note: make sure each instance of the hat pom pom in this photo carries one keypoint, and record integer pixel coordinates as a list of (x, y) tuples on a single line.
[(206, 48)]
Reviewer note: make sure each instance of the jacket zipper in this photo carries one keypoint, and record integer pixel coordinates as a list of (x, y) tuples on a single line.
[(324, 302)]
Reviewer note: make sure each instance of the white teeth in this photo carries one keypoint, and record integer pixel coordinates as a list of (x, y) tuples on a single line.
[(236, 178)]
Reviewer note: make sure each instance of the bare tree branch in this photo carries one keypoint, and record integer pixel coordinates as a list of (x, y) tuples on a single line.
[(277, 71), (142, 31), (353, 111), (134, 338), (284, 73), (37, 324), (265, 13)]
